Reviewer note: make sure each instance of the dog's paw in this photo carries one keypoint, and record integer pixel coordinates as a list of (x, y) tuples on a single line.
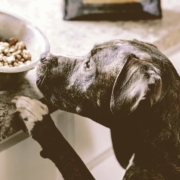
[(30, 110)]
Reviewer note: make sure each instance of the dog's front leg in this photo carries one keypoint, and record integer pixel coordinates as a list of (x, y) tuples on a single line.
[(39, 125)]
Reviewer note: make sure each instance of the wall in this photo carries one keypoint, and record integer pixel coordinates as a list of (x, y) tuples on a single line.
[(92, 142)]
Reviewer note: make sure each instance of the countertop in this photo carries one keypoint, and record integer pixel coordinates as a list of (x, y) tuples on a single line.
[(78, 37)]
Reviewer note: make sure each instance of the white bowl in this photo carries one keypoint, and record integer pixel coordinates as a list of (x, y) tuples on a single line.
[(36, 43)]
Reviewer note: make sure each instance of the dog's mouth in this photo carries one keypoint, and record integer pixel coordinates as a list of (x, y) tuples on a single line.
[(43, 81), (50, 83), (40, 82), (54, 91)]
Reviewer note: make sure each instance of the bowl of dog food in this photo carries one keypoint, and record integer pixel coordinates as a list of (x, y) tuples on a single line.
[(21, 45)]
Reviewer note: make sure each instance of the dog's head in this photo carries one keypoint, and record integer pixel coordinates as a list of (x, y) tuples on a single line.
[(109, 83), (114, 77)]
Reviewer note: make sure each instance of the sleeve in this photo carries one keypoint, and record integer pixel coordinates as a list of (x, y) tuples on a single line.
[(58, 150)]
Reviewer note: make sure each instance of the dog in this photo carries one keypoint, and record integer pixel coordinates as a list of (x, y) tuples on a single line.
[(126, 85)]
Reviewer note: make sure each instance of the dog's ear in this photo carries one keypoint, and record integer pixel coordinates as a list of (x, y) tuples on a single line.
[(139, 80), (136, 88)]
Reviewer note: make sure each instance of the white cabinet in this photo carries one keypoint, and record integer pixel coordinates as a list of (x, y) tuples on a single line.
[(90, 138), (108, 169), (92, 142)]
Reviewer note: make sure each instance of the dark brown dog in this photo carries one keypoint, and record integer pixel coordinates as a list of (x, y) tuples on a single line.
[(128, 86)]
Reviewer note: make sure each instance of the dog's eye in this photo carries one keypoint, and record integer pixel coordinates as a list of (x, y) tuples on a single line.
[(87, 65)]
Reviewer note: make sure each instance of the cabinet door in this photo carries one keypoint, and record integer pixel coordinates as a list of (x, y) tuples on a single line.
[(92, 142), (108, 169)]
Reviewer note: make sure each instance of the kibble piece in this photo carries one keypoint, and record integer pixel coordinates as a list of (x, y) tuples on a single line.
[(1, 57), (2, 48), (4, 58), (13, 41), (18, 56), (18, 52), (22, 60), (5, 44), (12, 49), (5, 64), (8, 54), (20, 45), (6, 51), (15, 64), (26, 55), (10, 59), (27, 62), (1, 64)]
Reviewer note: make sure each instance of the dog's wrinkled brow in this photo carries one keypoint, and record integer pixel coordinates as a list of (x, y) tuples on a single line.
[(107, 44)]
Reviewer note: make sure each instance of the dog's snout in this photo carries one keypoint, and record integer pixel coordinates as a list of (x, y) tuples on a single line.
[(44, 57), (49, 59)]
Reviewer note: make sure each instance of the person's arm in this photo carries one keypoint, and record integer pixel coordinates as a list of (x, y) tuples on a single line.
[(58, 150), (33, 116)]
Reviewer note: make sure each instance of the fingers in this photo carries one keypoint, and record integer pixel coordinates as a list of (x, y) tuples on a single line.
[(34, 106), (30, 110), (28, 119)]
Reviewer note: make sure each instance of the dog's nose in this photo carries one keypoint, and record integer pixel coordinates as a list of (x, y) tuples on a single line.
[(49, 59), (44, 57)]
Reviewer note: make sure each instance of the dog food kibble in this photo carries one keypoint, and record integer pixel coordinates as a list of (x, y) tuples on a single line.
[(13, 53)]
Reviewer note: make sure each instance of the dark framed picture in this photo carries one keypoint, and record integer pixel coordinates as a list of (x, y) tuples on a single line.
[(111, 9)]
